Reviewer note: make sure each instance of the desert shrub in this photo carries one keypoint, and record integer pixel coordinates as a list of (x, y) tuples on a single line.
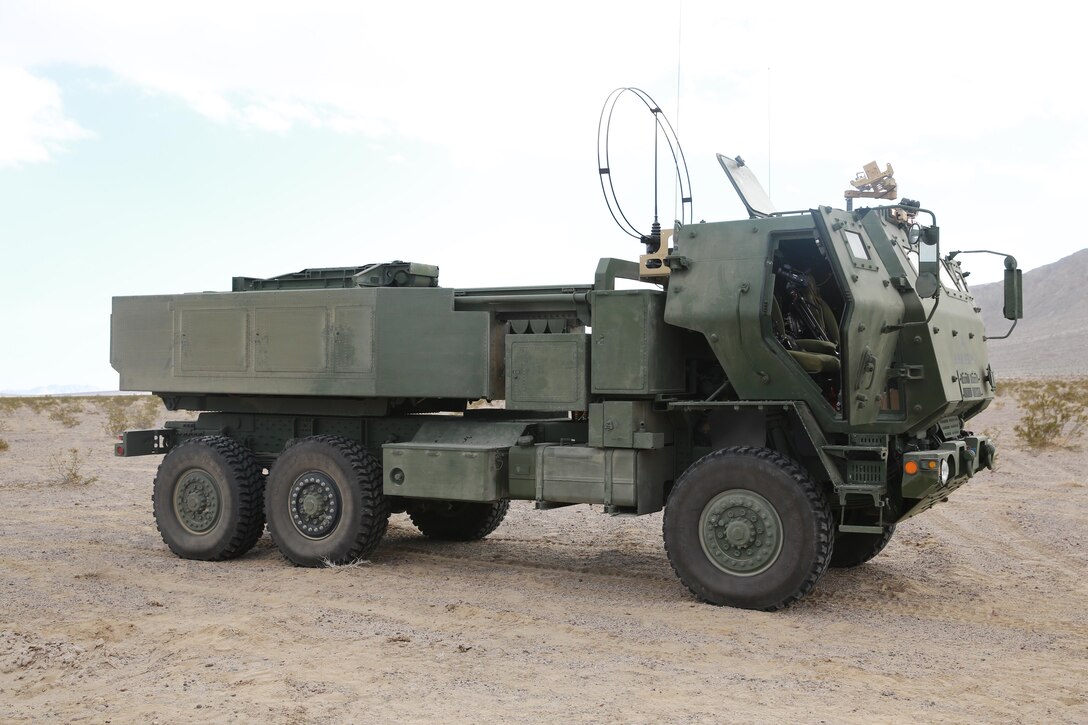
[(128, 412), (10, 404), (67, 469), (1053, 412), (3, 429), (66, 411), (146, 411), (3, 445), (116, 410), (103, 402), (38, 403)]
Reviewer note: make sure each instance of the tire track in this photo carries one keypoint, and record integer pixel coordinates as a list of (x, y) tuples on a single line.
[(1017, 539)]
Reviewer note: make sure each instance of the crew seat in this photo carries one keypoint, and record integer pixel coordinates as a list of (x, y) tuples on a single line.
[(814, 354)]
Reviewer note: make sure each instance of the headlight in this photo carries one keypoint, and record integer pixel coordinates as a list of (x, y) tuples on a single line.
[(943, 477)]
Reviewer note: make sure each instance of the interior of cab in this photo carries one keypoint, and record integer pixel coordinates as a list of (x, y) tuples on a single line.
[(806, 312)]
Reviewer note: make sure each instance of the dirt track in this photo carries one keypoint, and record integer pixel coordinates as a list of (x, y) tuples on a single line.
[(975, 612)]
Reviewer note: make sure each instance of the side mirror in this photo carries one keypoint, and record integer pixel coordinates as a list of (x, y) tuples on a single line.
[(1014, 290), (929, 263)]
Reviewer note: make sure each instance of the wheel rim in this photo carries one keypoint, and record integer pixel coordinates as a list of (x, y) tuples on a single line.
[(196, 501), (315, 504), (740, 532)]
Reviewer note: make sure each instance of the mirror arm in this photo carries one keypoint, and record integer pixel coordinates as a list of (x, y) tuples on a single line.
[(951, 255), (1001, 337)]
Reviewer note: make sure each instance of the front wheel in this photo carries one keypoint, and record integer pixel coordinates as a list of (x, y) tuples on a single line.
[(748, 527), (457, 520), (855, 549), (324, 502)]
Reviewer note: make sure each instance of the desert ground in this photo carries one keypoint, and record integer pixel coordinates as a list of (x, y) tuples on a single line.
[(976, 612)]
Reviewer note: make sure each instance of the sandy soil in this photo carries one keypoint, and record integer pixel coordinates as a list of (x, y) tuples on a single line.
[(975, 612)]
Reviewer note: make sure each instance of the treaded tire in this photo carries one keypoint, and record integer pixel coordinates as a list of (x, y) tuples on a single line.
[(228, 481), (855, 549), (362, 512), (457, 520), (805, 528)]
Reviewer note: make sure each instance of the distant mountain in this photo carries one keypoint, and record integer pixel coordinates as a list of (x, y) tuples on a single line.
[(1052, 339), (53, 390)]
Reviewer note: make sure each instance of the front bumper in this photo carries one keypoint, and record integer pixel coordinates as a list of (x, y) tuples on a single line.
[(930, 476)]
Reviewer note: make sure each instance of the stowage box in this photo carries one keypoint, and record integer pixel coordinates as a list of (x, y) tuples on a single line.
[(446, 471), (546, 372), (582, 474), (634, 352)]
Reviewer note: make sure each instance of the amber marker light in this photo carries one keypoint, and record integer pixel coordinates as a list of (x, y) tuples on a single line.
[(910, 468), (931, 465)]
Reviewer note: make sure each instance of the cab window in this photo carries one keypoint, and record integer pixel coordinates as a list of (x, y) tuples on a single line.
[(856, 244)]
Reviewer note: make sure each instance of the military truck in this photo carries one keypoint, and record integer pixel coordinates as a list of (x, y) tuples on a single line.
[(787, 387)]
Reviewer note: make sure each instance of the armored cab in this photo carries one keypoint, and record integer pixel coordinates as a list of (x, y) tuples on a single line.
[(791, 387)]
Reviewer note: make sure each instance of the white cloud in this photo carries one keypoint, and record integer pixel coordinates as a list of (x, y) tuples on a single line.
[(464, 73), (796, 87), (33, 126), (462, 76), (479, 78)]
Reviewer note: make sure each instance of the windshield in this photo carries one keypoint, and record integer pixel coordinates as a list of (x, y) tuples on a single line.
[(950, 273), (748, 188)]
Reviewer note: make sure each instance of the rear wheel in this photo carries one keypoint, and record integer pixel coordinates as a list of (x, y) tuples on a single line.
[(324, 502), (747, 527), (457, 520), (856, 549), (208, 499)]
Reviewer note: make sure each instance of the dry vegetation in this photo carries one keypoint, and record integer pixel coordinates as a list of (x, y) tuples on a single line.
[(123, 412), (1053, 413), (126, 412), (66, 411), (67, 469)]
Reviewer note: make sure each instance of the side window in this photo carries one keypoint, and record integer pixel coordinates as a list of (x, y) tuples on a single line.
[(856, 245), (911, 255)]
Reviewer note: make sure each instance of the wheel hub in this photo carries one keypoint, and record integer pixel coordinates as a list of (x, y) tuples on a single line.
[(740, 532), (315, 504), (196, 501)]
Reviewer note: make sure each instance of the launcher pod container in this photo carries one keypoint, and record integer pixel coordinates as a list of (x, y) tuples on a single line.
[(791, 387)]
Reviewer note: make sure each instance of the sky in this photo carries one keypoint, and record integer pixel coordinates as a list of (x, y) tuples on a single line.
[(152, 148)]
